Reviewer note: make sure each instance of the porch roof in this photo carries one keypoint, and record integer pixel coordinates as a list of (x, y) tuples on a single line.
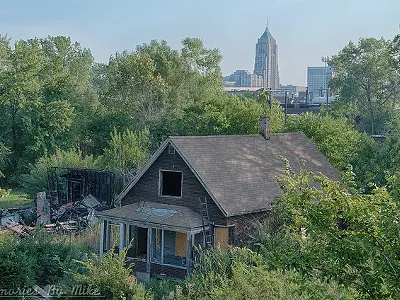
[(152, 214)]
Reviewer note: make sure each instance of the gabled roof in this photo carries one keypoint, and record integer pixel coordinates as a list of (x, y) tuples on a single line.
[(238, 171)]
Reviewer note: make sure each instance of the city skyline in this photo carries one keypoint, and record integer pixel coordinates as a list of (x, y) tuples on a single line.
[(306, 30)]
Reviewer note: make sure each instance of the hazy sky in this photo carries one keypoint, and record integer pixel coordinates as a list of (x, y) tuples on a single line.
[(305, 30)]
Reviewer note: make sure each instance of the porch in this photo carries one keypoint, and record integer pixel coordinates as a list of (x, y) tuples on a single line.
[(162, 237)]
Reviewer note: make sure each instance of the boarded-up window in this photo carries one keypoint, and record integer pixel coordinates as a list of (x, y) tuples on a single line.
[(180, 244), (221, 237)]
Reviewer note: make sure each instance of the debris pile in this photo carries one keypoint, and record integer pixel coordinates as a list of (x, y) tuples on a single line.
[(74, 216), (68, 218), (19, 229), (74, 196)]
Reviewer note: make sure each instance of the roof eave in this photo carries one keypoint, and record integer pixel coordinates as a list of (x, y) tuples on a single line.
[(249, 212)]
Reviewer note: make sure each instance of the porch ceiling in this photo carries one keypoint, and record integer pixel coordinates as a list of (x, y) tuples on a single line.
[(152, 214)]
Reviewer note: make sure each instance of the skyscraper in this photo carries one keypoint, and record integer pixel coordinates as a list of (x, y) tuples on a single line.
[(317, 80), (266, 61)]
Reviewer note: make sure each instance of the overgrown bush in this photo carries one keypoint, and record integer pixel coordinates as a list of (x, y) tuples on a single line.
[(335, 233), (239, 273), (112, 277), (257, 282), (213, 267), (37, 259)]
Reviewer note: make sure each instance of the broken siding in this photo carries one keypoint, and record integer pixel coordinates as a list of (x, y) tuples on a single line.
[(147, 188)]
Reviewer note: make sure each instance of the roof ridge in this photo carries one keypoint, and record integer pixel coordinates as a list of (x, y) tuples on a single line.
[(230, 135)]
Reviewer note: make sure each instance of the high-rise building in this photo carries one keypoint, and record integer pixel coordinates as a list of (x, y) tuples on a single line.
[(266, 60), (318, 80)]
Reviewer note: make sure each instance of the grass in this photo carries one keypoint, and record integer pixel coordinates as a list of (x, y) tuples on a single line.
[(15, 200)]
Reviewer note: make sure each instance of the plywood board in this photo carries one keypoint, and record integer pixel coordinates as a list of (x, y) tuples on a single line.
[(221, 237), (180, 244)]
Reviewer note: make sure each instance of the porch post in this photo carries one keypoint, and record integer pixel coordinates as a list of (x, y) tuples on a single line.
[(132, 237), (122, 237), (149, 248), (189, 238), (102, 231), (108, 236)]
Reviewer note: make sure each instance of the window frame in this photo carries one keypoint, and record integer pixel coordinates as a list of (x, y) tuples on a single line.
[(160, 183), (171, 149)]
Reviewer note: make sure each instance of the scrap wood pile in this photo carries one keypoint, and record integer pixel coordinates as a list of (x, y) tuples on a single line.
[(74, 216)]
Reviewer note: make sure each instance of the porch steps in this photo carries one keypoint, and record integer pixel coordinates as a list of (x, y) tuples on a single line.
[(207, 225)]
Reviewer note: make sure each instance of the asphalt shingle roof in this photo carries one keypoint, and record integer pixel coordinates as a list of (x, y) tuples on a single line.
[(239, 170), (173, 217)]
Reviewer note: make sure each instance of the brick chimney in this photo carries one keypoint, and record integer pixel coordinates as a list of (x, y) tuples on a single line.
[(264, 127)]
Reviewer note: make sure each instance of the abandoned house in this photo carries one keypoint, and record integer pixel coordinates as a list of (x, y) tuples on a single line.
[(202, 191)]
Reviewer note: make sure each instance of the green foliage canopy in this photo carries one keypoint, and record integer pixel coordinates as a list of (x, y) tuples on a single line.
[(366, 76)]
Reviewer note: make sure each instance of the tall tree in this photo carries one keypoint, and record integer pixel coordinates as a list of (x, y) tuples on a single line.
[(67, 75), (156, 80), (367, 78), (20, 80), (335, 138), (45, 84)]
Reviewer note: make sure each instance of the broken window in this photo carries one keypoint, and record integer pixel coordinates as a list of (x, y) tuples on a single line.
[(171, 183)]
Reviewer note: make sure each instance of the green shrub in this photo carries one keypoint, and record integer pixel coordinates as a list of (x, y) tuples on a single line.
[(257, 282), (166, 289), (37, 259), (4, 193), (111, 276), (212, 268), (239, 273)]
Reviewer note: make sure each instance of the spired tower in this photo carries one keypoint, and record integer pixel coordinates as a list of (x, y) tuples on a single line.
[(266, 61)]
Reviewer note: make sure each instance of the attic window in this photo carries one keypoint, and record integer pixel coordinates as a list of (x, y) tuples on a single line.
[(171, 183), (171, 149)]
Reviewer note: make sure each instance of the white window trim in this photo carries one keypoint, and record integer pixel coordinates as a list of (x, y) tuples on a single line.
[(160, 184)]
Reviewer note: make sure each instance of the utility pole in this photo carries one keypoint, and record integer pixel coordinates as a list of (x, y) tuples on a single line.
[(285, 106), (269, 93), (326, 60), (270, 98), (306, 95), (327, 96)]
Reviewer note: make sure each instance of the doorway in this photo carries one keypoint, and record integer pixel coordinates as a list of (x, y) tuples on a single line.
[(141, 242)]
